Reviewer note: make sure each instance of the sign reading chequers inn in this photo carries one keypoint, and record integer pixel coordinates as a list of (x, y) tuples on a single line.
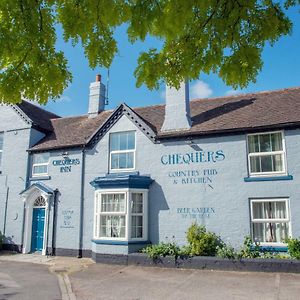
[(65, 165)]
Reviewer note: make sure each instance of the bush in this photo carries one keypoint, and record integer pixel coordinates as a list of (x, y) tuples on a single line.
[(202, 242), (162, 249), (294, 248), (1, 240), (227, 251), (248, 251)]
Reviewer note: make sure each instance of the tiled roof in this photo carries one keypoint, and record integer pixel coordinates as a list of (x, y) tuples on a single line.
[(247, 112), (41, 118)]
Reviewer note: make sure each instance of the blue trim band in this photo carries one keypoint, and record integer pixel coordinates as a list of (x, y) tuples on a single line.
[(122, 243), (273, 178), (122, 180), (273, 249), (47, 177)]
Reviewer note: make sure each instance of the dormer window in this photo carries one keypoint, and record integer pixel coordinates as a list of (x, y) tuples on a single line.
[(40, 162), (122, 151)]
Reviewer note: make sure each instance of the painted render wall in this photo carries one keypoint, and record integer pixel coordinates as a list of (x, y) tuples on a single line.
[(16, 141), (225, 199)]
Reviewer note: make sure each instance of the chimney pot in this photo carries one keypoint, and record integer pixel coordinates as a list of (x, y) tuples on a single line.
[(98, 78)]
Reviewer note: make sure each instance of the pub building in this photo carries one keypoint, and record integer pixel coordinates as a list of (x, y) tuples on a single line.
[(112, 181)]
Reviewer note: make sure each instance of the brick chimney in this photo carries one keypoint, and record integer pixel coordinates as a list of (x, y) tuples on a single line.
[(97, 97), (177, 110)]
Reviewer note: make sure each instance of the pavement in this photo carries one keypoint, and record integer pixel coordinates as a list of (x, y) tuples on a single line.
[(83, 279)]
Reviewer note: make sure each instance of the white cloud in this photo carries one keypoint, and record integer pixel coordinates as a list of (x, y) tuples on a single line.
[(233, 92), (200, 90)]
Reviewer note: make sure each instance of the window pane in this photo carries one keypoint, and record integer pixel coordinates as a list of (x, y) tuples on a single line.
[(43, 169), (113, 203), (266, 163), (41, 158), (137, 203), (123, 141), (131, 140), (276, 141), (122, 161), (270, 232), (129, 158), (269, 210), (112, 226), (0, 157), (136, 226), (1, 141), (255, 164), (265, 143), (277, 162), (114, 141), (115, 161), (253, 142)]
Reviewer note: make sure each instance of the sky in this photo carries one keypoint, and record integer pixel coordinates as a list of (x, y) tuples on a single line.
[(281, 69)]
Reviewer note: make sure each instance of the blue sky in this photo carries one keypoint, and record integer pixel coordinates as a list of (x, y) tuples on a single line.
[(281, 70)]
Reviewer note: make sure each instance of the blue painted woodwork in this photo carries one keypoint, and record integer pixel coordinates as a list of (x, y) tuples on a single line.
[(122, 180), (271, 178), (37, 235)]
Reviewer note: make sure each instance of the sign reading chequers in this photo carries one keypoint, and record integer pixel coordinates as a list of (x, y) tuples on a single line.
[(195, 175), (66, 164)]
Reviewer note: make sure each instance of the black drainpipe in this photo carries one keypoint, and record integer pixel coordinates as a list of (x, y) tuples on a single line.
[(80, 244), (54, 222), (5, 210), (27, 183)]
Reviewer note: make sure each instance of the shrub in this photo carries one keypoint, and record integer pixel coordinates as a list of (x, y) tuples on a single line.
[(1, 240), (227, 251), (294, 248), (202, 242), (162, 249), (248, 251)]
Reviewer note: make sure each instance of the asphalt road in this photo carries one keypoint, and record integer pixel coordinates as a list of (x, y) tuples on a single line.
[(100, 281), (24, 281)]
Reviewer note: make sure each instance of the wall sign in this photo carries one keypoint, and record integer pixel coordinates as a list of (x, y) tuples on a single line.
[(195, 212), (67, 218), (195, 157), (66, 164)]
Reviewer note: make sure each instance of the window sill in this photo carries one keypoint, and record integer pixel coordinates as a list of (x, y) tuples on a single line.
[(265, 248), (112, 242), (268, 178), (44, 177)]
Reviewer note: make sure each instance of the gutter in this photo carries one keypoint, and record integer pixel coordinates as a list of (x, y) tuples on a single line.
[(5, 210), (81, 207)]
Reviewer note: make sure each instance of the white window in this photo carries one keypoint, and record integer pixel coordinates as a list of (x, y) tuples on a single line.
[(122, 151), (270, 220), (1, 147), (121, 215), (40, 162), (266, 154)]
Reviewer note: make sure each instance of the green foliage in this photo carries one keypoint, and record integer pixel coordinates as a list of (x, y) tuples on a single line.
[(1, 240), (294, 248), (221, 36), (226, 251), (162, 249), (248, 251), (202, 242)]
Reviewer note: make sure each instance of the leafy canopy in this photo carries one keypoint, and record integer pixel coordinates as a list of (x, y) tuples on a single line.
[(221, 36)]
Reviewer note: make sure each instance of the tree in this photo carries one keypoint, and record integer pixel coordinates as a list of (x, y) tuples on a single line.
[(221, 36)]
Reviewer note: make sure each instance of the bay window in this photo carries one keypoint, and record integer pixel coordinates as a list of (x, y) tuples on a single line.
[(120, 215), (122, 151), (266, 154), (40, 162), (270, 220)]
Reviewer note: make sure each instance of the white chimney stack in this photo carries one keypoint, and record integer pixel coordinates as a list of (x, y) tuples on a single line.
[(97, 97), (177, 110)]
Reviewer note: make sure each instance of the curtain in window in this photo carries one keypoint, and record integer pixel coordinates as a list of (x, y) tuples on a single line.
[(269, 231)]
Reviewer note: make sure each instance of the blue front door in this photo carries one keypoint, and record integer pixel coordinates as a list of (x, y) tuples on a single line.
[(37, 234)]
